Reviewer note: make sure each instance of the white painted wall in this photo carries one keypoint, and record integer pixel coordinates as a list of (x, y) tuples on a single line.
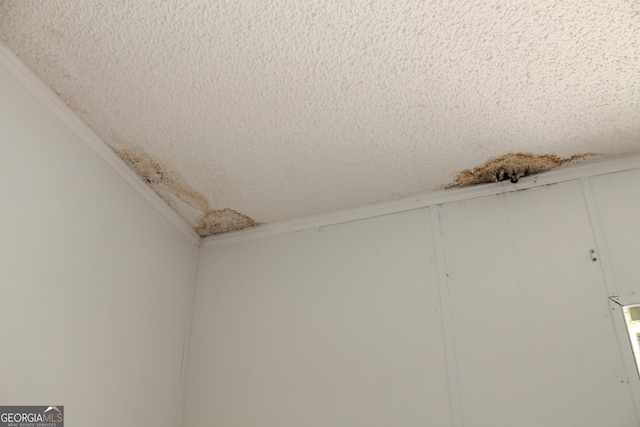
[(342, 325), (618, 202), (535, 343), (94, 282), (356, 324), (336, 326)]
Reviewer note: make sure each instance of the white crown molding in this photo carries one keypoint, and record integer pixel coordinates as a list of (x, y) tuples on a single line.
[(566, 173), (64, 113), (51, 100)]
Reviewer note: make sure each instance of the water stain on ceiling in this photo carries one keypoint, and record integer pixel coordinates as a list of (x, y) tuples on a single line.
[(513, 166), (170, 185), (221, 221), (282, 110)]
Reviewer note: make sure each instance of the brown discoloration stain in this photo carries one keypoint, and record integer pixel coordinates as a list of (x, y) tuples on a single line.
[(71, 103), (513, 166), (161, 178), (166, 183), (223, 221), (53, 31)]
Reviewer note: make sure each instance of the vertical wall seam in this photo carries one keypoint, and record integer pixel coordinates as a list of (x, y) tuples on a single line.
[(447, 320), (599, 238), (187, 337)]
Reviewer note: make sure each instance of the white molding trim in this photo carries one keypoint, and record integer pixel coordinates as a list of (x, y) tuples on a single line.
[(51, 100), (566, 173), (64, 113)]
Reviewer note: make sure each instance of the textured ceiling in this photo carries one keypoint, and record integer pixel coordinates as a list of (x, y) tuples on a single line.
[(255, 111)]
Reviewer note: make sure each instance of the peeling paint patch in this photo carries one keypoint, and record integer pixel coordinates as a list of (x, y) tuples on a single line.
[(168, 183), (223, 221), (513, 166)]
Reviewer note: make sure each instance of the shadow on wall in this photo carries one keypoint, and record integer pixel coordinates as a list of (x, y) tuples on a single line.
[(513, 166), (168, 184)]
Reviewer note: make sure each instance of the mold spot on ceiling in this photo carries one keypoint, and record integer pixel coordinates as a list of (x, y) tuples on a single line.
[(513, 166), (222, 221), (169, 184)]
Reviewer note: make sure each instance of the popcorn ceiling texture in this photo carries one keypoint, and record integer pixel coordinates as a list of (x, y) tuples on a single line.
[(280, 109)]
